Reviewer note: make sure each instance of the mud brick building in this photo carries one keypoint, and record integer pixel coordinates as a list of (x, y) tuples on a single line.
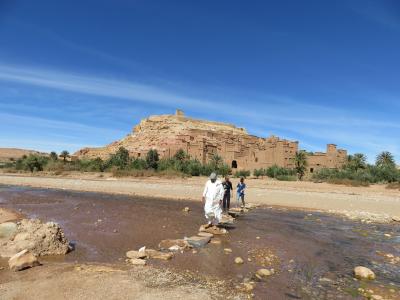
[(202, 139)]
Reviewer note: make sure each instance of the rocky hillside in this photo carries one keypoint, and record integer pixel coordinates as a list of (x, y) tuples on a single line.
[(7, 154), (162, 132)]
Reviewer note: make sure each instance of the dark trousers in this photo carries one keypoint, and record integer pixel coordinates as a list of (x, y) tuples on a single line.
[(226, 202)]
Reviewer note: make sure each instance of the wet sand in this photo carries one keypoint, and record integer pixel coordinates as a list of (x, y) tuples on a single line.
[(304, 247)]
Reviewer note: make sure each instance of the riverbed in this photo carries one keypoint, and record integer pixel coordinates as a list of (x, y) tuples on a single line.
[(313, 254)]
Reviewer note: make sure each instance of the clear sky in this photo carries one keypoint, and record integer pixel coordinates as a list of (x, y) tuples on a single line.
[(83, 73)]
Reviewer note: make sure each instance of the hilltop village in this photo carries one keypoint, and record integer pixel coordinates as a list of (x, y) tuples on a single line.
[(202, 139)]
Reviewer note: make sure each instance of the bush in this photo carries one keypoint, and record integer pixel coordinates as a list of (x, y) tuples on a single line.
[(152, 159), (371, 174), (275, 171), (120, 159), (242, 173), (259, 172), (138, 164)]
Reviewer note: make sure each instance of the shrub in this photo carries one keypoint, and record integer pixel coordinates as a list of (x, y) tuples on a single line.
[(275, 171), (152, 159), (258, 172), (242, 173), (119, 159)]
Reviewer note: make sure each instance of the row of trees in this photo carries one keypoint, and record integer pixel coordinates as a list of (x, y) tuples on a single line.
[(355, 169)]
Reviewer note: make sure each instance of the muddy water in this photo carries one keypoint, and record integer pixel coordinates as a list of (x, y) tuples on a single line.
[(313, 254)]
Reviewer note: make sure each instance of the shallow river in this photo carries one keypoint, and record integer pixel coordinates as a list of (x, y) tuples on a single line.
[(312, 253)]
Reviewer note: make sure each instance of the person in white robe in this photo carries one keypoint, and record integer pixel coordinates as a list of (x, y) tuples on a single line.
[(212, 196)]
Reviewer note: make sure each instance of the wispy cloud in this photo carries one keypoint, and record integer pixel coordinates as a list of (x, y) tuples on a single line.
[(269, 112)]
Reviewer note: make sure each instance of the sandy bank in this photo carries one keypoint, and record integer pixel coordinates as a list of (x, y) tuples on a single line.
[(307, 195)]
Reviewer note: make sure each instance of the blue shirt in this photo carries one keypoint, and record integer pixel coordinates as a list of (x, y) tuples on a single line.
[(240, 188)]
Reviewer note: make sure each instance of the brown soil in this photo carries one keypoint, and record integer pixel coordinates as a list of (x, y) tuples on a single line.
[(80, 282)]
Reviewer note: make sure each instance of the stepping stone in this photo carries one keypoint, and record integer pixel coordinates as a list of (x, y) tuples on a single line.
[(198, 241), (137, 261), (213, 230), (174, 245), (133, 254), (154, 254), (206, 234)]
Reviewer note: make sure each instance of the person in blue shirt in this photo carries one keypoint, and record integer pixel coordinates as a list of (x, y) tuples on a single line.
[(240, 189)]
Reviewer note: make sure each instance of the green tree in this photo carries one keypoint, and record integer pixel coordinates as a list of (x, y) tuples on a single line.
[(53, 155), (216, 161), (300, 161), (34, 163), (385, 159), (152, 159), (181, 155), (64, 154), (119, 159), (356, 162)]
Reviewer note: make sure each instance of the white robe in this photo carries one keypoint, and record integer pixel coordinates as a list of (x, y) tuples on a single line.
[(213, 194)]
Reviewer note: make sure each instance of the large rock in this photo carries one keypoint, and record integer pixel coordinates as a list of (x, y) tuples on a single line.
[(39, 238), (7, 230), (174, 245), (363, 273), (23, 260), (198, 241)]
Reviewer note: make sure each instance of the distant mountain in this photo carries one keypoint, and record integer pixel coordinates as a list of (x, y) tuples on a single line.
[(7, 154)]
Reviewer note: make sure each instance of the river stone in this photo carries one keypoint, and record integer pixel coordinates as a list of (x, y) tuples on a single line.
[(239, 260), (174, 245), (396, 218), (363, 273), (262, 273), (137, 261), (198, 241), (158, 254), (136, 254), (227, 250), (227, 219), (7, 229), (213, 230), (206, 234), (23, 260)]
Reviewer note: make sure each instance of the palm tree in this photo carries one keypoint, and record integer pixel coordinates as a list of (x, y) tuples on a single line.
[(64, 154), (300, 161), (385, 159), (357, 161)]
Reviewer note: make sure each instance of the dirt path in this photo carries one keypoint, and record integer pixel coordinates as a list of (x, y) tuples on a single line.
[(319, 196), (100, 282)]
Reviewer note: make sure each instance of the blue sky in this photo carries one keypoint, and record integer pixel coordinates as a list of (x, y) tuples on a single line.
[(83, 73)]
